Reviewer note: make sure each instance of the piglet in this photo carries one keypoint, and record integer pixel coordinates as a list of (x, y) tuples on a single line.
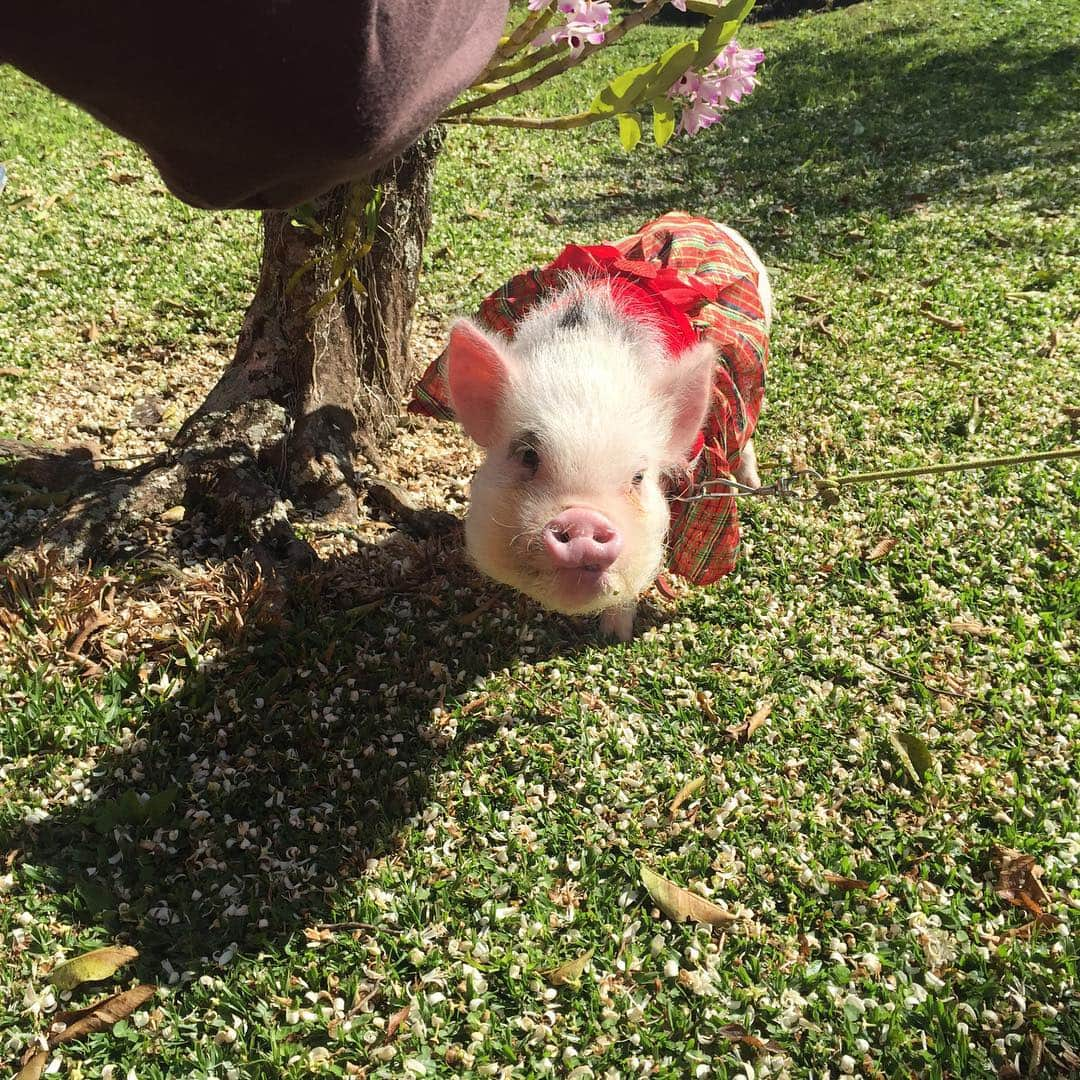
[(583, 415)]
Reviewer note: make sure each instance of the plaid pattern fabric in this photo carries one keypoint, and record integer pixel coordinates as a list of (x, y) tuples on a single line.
[(724, 307)]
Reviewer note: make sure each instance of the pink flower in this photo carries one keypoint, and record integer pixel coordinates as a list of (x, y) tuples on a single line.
[(705, 95), (698, 115), (584, 25)]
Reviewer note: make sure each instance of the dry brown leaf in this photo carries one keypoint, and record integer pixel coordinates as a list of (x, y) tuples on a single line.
[(881, 549), (396, 1021), (758, 719), (845, 884), (93, 621), (1070, 1057), (173, 515), (1016, 873), (705, 705), (684, 793), (469, 617), (679, 904), (12, 372), (975, 629), (569, 972), (944, 320), (101, 1015), (33, 1066), (744, 731), (737, 1033), (91, 966), (1018, 883), (475, 704)]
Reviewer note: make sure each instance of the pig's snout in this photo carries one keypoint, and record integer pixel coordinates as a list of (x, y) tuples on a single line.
[(582, 539)]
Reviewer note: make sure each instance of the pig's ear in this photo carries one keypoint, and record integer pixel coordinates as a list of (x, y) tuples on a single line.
[(687, 383), (478, 371)]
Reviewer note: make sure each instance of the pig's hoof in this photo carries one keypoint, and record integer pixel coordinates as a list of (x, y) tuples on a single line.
[(618, 623)]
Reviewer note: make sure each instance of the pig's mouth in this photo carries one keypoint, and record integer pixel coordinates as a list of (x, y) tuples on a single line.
[(578, 589)]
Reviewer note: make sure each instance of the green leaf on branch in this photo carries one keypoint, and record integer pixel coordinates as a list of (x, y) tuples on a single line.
[(634, 87), (629, 130), (623, 93), (721, 29), (663, 121), (672, 66)]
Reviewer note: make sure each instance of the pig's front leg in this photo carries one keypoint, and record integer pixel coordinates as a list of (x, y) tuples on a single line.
[(618, 622), (746, 472)]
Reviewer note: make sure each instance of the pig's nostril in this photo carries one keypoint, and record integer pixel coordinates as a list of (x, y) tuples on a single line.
[(562, 536)]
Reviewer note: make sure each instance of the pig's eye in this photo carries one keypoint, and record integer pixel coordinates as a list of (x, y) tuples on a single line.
[(638, 478), (523, 449), (530, 459)]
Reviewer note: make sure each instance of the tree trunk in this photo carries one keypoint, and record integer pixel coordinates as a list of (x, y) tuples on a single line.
[(340, 368), (314, 387)]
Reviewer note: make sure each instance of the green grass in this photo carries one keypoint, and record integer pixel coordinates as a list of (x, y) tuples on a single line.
[(482, 792)]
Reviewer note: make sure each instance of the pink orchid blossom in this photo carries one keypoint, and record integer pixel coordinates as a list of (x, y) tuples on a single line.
[(584, 25), (705, 95)]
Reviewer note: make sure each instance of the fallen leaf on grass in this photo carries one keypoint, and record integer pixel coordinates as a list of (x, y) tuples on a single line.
[(12, 372), (705, 705), (124, 178), (975, 629), (101, 1015), (913, 753), (34, 1066), (881, 549), (1018, 883), (569, 972), (845, 884), (943, 320), (396, 1021), (737, 1033), (1017, 872), (679, 904), (469, 617), (94, 620), (91, 966), (744, 731), (684, 793)]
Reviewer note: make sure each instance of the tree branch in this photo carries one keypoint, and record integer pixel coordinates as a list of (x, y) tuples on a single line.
[(555, 67)]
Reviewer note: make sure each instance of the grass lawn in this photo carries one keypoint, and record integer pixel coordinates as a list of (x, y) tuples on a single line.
[(354, 833)]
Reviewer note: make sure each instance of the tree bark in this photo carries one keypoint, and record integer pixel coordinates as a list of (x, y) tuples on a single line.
[(313, 390), (340, 374)]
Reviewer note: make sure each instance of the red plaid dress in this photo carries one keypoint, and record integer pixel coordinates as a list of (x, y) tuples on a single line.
[(692, 270)]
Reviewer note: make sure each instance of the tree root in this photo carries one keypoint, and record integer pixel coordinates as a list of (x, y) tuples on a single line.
[(228, 465)]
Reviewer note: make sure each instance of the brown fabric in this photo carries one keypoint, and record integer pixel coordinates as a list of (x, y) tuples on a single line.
[(256, 103)]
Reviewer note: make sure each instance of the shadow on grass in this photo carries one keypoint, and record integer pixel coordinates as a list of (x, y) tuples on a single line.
[(877, 121), (275, 773)]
